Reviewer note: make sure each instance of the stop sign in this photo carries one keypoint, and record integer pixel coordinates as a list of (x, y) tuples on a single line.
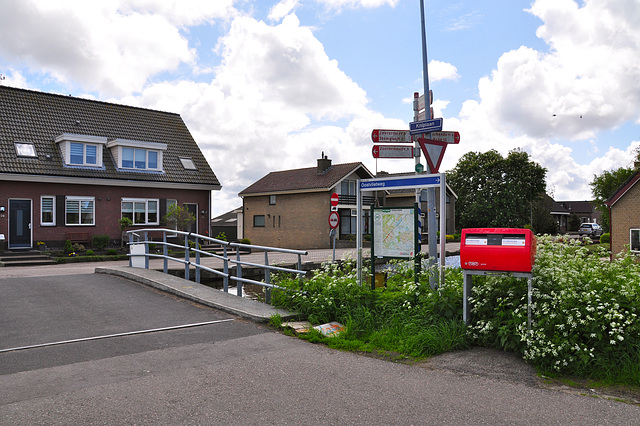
[(334, 199)]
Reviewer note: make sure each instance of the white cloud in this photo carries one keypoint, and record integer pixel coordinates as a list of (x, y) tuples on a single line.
[(439, 70), (113, 47), (341, 4), (282, 9)]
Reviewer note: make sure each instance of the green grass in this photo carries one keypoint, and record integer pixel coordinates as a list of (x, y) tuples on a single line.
[(586, 312)]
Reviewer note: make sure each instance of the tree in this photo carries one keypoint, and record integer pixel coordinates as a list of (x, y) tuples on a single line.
[(494, 191), (603, 186), (179, 217)]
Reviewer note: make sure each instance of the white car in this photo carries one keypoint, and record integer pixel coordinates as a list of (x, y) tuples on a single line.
[(590, 229)]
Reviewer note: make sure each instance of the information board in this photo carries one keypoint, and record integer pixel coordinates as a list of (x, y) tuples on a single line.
[(394, 232)]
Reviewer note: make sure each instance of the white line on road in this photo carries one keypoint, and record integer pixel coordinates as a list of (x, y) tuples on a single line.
[(108, 336)]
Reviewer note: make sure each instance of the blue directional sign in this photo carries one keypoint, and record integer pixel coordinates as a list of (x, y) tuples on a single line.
[(404, 182), (426, 126)]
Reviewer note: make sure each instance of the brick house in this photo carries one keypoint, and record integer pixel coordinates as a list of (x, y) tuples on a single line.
[(291, 208), (71, 168), (624, 216)]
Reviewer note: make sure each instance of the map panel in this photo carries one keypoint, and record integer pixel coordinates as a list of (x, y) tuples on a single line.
[(394, 232)]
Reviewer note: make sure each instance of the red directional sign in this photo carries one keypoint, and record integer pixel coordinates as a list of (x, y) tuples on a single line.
[(392, 151), (334, 199), (387, 136), (448, 137), (334, 220)]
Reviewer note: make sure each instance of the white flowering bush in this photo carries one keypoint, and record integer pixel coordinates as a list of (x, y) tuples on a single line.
[(584, 313)]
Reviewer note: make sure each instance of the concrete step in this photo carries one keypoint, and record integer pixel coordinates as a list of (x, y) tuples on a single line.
[(25, 258)]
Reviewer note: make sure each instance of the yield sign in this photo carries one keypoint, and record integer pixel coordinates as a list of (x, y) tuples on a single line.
[(434, 151)]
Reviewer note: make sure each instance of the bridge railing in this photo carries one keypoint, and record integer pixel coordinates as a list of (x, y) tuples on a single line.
[(139, 256)]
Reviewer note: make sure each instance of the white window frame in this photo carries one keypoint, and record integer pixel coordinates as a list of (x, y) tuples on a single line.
[(631, 231), (25, 149), (146, 202), (65, 140), (79, 200), (53, 213), (117, 145)]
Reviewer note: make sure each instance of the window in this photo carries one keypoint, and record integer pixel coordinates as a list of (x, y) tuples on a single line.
[(634, 240), (140, 211), (272, 200), (79, 211), (47, 211), (188, 164), (81, 150), (141, 159), (348, 187), (24, 149), (258, 221)]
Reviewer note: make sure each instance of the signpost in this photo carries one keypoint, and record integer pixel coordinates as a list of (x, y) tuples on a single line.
[(426, 126), (390, 136), (335, 198), (434, 152), (392, 151), (448, 137), (334, 220)]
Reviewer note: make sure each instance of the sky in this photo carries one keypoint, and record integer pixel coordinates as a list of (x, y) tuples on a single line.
[(272, 85)]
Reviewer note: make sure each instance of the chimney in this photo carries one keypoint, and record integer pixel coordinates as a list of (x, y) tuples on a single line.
[(324, 164)]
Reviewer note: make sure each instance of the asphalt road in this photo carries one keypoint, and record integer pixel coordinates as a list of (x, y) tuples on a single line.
[(236, 372)]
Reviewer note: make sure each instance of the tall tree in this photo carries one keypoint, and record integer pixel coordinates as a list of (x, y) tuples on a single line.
[(603, 186), (494, 191)]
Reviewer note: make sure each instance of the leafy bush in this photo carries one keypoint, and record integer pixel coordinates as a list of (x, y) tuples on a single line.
[(89, 253), (68, 247), (100, 241), (605, 238), (112, 252), (584, 316), (221, 236)]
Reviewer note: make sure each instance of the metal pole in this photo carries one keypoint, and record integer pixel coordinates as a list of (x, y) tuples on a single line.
[(359, 232), (432, 224)]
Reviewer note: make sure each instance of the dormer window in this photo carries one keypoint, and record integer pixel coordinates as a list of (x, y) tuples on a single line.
[(81, 150), (137, 155)]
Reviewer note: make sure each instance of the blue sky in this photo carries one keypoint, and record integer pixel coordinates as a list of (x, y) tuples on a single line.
[(270, 85)]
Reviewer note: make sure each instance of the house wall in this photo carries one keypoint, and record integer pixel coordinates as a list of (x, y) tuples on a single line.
[(625, 215), (107, 207), (295, 221)]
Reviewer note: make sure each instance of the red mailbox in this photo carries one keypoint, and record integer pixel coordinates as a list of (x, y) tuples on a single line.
[(498, 249)]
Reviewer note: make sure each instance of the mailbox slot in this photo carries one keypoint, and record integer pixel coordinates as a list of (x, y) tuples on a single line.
[(497, 249)]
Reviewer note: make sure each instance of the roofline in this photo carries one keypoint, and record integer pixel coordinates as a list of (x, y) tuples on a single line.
[(291, 191), (624, 188), (106, 182)]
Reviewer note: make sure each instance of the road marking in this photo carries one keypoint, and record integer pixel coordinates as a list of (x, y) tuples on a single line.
[(108, 336)]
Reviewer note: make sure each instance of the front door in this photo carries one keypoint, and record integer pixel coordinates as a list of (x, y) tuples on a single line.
[(20, 224)]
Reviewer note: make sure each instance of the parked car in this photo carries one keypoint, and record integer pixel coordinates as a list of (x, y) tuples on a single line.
[(590, 229)]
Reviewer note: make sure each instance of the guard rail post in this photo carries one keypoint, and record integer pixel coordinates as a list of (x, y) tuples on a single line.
[(146, 250), (165, 252), (239, 274), (197, 260), (225, 281), (267, 279), (186, 257), (300, 280)]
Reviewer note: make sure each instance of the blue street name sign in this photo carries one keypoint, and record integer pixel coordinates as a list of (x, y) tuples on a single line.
[(405, 182), (426, 126)]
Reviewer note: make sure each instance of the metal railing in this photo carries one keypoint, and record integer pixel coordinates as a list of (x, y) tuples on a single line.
[(192, 246)]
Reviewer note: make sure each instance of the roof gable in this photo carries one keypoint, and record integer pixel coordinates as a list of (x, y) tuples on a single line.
[(40, 118), (624, 188), (307, 179)]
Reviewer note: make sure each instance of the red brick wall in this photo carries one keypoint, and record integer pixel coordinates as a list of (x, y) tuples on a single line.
[(107, 207)]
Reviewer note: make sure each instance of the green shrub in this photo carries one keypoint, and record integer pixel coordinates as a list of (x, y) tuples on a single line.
[(89, 253), (221, 236), (245, 241), (112, 252), (68, 247), (605, 238), (100, 241)]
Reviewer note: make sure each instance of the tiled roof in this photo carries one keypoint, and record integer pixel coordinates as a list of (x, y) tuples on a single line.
[(619, 193), (306, 179), (38, 118)]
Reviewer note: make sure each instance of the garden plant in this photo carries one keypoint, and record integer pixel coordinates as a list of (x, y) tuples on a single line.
[(584, 314)]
